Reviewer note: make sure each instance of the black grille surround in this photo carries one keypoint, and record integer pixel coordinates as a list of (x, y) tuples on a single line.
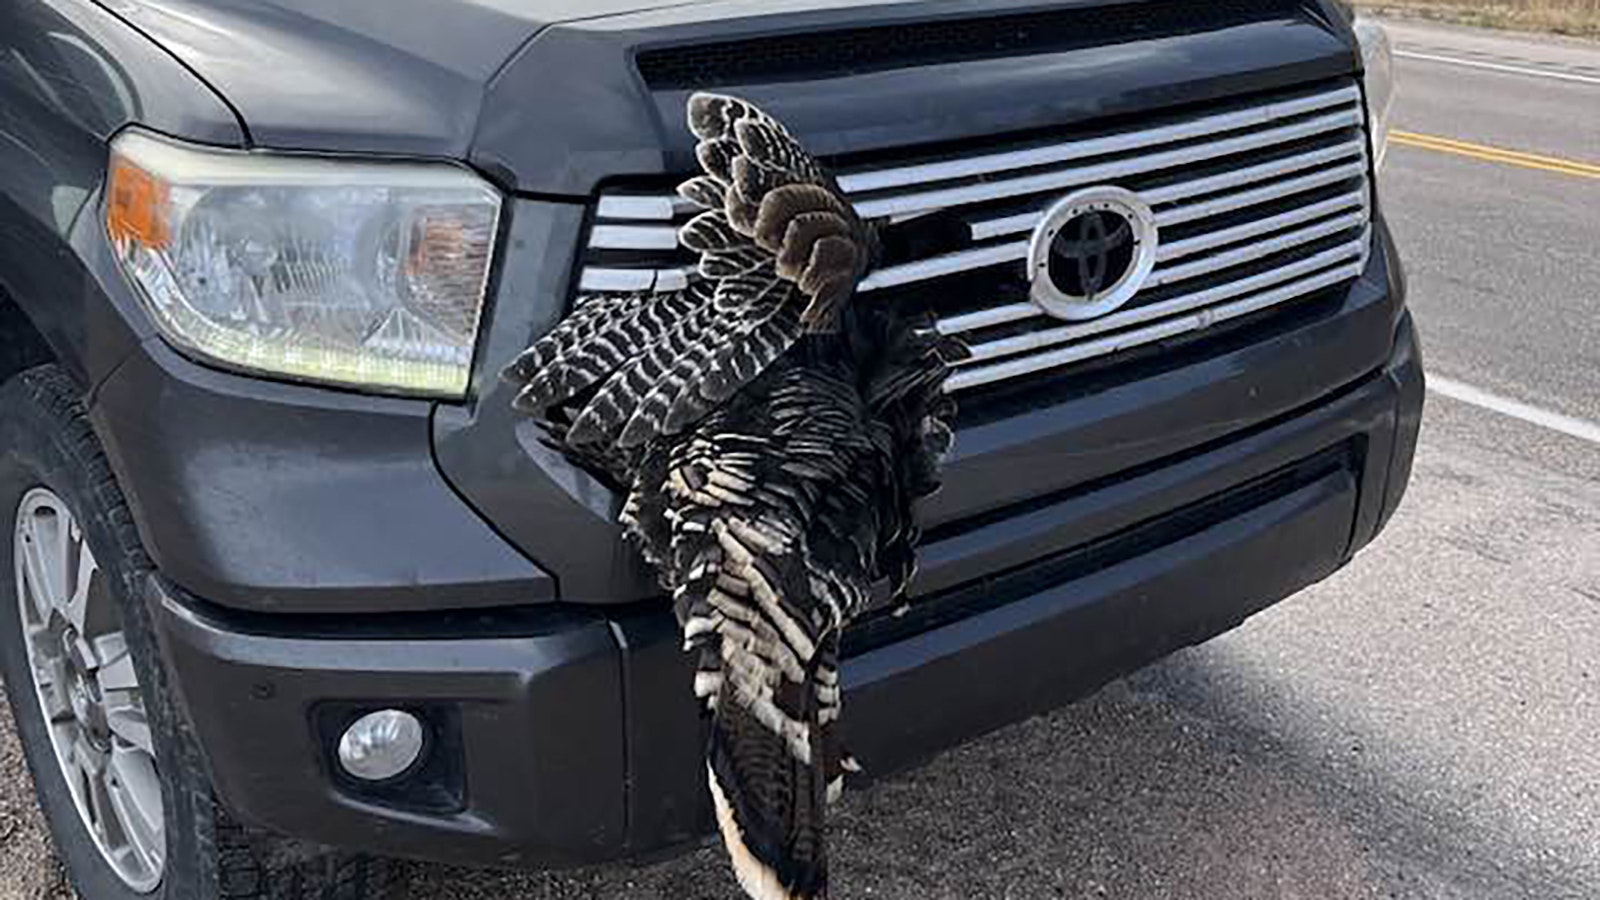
[(853, 51)]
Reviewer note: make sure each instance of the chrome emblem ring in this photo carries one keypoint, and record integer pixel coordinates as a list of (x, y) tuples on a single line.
[(1092, 253)]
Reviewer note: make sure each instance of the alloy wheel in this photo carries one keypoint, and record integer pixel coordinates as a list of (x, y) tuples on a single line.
[(89, 691)]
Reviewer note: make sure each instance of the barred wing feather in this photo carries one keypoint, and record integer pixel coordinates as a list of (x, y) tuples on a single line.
[(780, 252)]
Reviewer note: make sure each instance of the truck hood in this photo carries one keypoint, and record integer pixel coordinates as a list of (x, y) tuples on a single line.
[(592, 99), (405, 77), (548, 98)]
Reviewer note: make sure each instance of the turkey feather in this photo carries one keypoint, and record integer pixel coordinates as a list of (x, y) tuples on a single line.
[(773, 436)]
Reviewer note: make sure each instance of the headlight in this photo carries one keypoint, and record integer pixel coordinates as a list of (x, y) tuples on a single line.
[(1378, 59), (361, 274)]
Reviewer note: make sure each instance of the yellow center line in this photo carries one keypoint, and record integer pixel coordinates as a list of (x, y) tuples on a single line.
[(1496, 154)]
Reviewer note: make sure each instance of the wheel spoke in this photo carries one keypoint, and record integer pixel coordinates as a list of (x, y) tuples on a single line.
[(115, 671), (129, 722), (62, 557), (53, 699), (36, 576), (89, 761), (135, 792), (102, 815), (56, 541), (74, 603), (88, 773)]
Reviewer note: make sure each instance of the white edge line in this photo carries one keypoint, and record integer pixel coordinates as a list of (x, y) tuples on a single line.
[(1466, 393), (1499, 67)]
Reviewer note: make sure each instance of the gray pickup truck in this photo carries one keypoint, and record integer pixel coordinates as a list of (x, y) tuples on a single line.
[(295, 591)]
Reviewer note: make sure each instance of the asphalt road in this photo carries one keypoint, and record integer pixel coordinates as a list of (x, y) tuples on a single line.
[(1425, 724)]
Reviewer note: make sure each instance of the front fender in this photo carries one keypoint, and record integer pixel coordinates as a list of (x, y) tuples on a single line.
[(71, 76)]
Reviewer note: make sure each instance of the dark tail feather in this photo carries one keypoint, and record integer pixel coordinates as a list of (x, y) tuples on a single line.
[(770, 683), (771, 806)]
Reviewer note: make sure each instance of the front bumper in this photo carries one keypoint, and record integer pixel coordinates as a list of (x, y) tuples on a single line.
[(568, 735)]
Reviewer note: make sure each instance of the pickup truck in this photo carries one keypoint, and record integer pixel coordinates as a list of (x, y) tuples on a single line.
[(291, 588)]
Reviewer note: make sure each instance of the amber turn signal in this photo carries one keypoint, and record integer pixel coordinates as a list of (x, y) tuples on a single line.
[(136, 206)]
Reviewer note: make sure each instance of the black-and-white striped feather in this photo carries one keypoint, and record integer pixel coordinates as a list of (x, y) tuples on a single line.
[(774, 438), (779, 252)]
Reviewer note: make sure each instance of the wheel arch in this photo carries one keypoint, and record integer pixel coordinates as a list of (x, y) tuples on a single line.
[(22, 347)]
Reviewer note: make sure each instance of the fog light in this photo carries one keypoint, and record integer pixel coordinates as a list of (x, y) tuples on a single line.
[(381, 745)]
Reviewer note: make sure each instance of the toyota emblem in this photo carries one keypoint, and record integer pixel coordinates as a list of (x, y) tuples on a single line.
[(1092, 253)]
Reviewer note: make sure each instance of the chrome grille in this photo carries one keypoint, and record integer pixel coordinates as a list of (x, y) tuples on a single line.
[(1257, 205)]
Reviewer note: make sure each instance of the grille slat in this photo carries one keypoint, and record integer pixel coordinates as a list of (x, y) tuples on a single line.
[(1024, 222), (634, 237), (1255, 205), (1257, 227), (988, 318), (948, 264), (596, 278), (1126, 142), (1035, 340), (637, 207), (973, 377), (966, 260), (1254, 174), (1252, 252), (1066, 179)]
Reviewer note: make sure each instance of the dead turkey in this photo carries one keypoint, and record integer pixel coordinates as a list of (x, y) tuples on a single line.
[(773, 434)]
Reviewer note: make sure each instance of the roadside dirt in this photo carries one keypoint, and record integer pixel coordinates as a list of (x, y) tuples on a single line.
[(28, 867), (1576, 18)]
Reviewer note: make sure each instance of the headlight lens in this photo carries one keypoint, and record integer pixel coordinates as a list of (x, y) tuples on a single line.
[(1378, 58), (361, 274)]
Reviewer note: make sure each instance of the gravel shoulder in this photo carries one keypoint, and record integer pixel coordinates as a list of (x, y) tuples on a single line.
[(28, 868)]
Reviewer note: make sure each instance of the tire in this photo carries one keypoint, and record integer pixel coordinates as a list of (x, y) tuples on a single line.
[(47, 449)]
